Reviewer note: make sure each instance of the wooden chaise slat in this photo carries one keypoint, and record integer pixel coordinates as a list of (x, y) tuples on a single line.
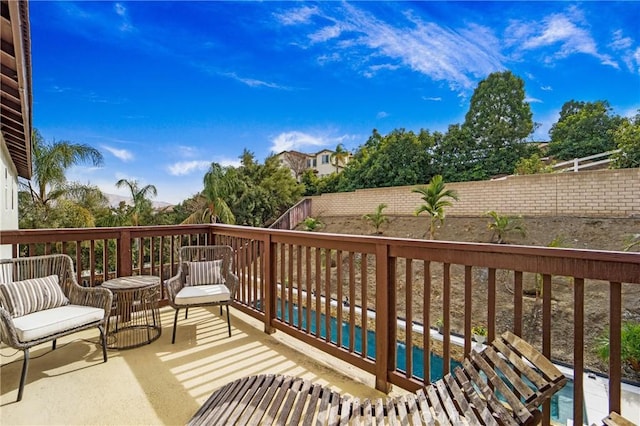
[(492, 376), (461, 400), (379, 411), (522, 390), (434, 402), (391, 412), (514, 358), (427, 418), (503, 384), (478, 403), (536, 358), (493, 403), (334, 409), (615, 419), (449, 406)]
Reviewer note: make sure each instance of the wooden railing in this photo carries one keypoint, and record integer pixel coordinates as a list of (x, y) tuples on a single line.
[(334, 291), (292, 217)]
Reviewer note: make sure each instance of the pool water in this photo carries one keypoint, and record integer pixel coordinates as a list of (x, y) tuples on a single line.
[(561, 402)]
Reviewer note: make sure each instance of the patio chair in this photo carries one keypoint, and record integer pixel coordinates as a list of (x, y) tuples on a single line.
[(502, 385), (204, 278), (41, 301)]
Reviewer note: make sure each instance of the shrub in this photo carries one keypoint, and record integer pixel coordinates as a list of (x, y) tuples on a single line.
[(377, 218), (630, 339), (311, 224)]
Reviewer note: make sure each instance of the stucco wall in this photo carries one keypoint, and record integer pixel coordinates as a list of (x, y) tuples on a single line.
[(8, 196), (601, 193)]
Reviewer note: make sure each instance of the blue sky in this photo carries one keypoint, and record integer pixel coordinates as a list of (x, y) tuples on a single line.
[(163, 89)]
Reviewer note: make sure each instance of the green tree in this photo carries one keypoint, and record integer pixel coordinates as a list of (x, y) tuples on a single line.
[(455, 156), (583, 129), (499, 120), (627, 140), (339, 157), (436, 198), (377, 218), (504, 225), (268, 191), (219, 184), (532, 165), (399, 158), (41, 199), (142, 205), (92, 199)]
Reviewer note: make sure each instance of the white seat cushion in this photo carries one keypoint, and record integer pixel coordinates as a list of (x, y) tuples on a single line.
[(193, 295), (51, 321)]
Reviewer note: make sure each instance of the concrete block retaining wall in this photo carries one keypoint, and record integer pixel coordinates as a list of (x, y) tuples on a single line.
[(599, 193)]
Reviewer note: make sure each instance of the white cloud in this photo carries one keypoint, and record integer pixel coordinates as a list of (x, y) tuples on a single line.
[(565, 33), (456, 56), (382, 114), (620, 42), (326, 33), (121, 11), (636, 57), (532, 100), (122, 154), (301, 15), (443, 54), (251, 82), (183, 168), (300, 141), (546, 88), (185, 151), (432, 98)]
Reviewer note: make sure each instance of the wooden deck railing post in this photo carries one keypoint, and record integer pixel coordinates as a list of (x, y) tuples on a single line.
[(270, 293), (615, 345), (124, 253), (382, 319)]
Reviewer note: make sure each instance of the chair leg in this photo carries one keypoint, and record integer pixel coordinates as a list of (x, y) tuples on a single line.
[(23, 376), (228, 319), (186, 311), (220, 310), (103, 338), (53, 345), (175, 325)]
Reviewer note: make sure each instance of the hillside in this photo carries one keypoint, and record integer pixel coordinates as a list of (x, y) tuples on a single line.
[(575, 232)]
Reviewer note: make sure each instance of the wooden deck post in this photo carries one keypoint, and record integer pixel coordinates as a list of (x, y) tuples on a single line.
[(124, 253), (382, 319), (270, 293)]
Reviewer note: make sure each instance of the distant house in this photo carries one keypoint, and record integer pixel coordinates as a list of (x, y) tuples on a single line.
[(321, 162), (15, 116)]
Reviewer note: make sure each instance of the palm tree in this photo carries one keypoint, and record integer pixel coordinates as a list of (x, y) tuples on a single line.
[(435, 197), (503, 225), (339, 157), (50, 162), (377, 218), (219, 185), (141, 202)]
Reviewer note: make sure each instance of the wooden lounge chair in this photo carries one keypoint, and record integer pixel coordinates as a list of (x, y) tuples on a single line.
[(504, 384)]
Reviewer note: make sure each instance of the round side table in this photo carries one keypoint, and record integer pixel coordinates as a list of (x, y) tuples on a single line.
[(135, 317)]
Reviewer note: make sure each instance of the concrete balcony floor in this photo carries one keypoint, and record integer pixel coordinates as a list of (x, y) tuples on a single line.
[(159, 383)]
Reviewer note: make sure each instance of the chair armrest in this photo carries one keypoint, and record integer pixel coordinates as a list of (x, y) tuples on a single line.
[(92, 296), (173, 285), (8, 333), (231, 281)]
